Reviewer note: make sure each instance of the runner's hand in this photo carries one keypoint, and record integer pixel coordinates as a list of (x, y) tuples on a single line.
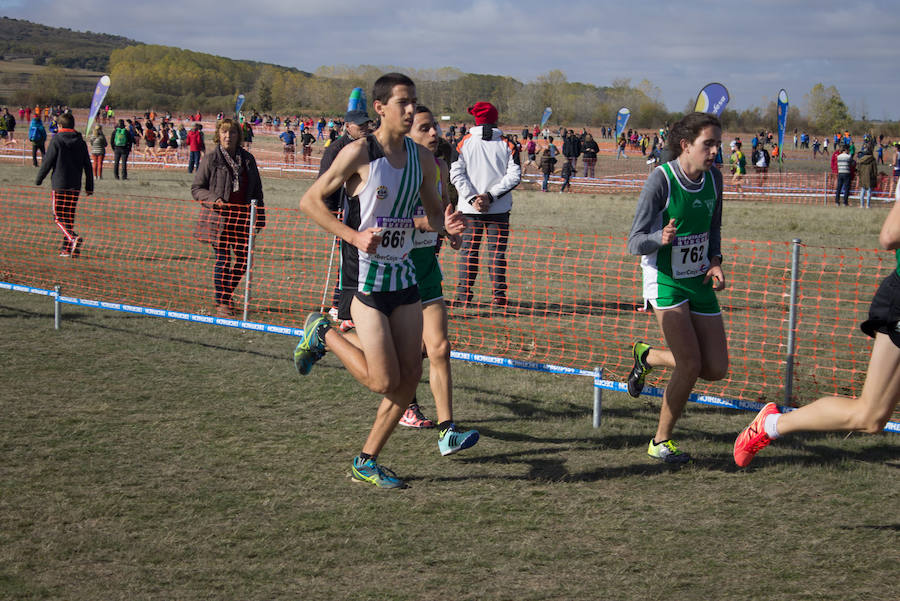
[(718, 277), (368, 240), (668, 232), (454, 221)]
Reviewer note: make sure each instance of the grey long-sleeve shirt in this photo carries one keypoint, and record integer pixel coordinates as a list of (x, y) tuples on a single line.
[(646, 231)]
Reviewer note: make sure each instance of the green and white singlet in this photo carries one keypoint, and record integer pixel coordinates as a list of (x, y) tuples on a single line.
[(386, 201), (424, 255), (674, 274)]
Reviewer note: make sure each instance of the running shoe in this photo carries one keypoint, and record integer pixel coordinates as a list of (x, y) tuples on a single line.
[(640, 370), (346, 325), (667, 452), (76, 246), (753, 438), (453, 440), (311, 347), (333, 314), (367, 470), (413, 418)]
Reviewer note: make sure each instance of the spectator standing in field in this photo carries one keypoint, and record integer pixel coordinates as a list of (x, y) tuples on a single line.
[(38, 137), (196, 146), (307, 140), (247, 135), (548, 166), (760, 159), (572, 148), (67, 157), (620, 147), (226, 182), (590, 150), (182, 140), (122, 141), (10, 126), (98, 143), (867, 170), (386, 305), (289, 139), (677, 230), (567, 171), (842, 164), (485, 174), (873, 408), (738, 168)]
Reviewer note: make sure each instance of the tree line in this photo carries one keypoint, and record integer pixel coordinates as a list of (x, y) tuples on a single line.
[(163, 78)]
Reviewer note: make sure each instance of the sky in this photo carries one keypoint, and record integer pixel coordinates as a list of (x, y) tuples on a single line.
[(753, 47)]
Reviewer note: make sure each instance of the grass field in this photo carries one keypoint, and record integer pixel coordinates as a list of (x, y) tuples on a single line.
[(154, 459)]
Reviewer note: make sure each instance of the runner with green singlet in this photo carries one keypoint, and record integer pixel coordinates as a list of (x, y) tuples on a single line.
[(451, 439), (677, 230)]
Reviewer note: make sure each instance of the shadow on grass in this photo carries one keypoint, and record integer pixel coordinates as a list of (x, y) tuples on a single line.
[(84, 319), (894, 527), (551, 469)]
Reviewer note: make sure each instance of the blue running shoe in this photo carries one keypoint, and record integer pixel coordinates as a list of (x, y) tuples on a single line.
[(453, 440), (311, 347), (369, 471)]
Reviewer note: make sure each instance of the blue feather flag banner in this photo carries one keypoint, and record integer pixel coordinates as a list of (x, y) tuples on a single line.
[(546, 116), (99, 94), (622, 120), (712, 99), (782, 119), (238, 104)]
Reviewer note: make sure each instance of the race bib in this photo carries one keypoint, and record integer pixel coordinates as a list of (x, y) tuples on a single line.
[(423, 238), (689, 255), (396, 239)]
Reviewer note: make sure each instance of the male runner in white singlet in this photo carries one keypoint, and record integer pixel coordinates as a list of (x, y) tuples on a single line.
[(383, 175)]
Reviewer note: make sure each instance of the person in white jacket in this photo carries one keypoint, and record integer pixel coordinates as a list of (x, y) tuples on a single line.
[(484, 175)]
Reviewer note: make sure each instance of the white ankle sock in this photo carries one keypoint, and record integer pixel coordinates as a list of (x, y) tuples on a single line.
[(770, 425)]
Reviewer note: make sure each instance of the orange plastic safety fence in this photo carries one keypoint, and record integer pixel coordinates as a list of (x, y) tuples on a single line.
[(574, 299)]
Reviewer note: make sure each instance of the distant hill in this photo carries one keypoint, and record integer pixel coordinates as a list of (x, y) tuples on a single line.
[(58, 46)]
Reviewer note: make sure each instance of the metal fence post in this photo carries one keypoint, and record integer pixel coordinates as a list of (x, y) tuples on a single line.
[(792, 323), (57, 308), (250, 240), (598, 397)]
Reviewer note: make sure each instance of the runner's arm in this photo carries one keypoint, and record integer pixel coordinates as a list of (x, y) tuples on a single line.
[(646, 230), (346, 164), (890, 230)]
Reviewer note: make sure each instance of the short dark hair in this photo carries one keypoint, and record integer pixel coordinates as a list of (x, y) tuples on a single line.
[(421, 108), (688, 128), (66, 120), (384, 85)]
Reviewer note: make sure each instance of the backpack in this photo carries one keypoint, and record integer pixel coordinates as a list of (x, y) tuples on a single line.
[(120, 137)]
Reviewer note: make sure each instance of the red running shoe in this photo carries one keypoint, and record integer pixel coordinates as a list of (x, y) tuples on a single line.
[(413, 418), (753, 438)]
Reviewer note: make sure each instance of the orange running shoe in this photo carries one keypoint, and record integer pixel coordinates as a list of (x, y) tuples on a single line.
[(753, 438)]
